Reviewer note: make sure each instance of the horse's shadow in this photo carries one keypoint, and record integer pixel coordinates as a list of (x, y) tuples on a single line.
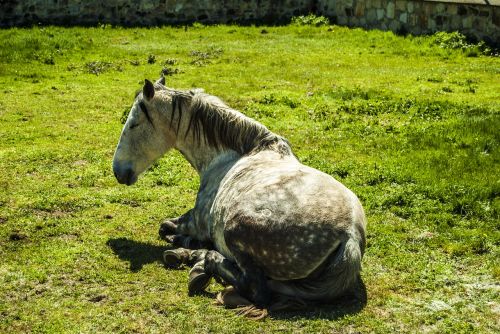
[(139, 254), (336, 310), (136, 253)]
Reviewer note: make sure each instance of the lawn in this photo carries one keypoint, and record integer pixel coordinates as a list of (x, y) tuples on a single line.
[(410, 124)]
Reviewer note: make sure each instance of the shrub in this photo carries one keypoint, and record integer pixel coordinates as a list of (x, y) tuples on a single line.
[(310, 20), (458, 41)]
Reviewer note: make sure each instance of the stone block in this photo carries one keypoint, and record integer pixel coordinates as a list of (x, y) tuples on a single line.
[(413, 20), (146, 6), (467, 22), (371, 15), (394, 25), (360, 9), (484, 13), (415, 30), (473, 10), (462, 10), (401, 5), (440, 20), (380, 14), (423, 21), (170, 3), (390, 10), (347, 3), (377, 3), (496, 19), (428, 8), (178, 7), (74, 10), (452, 9), (431, 24), (403, 18), (440, 8), (342, 20), (410, 6), (455, 22), (480, 25)]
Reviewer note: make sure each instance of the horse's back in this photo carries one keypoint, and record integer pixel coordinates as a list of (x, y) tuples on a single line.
[(287, 217)]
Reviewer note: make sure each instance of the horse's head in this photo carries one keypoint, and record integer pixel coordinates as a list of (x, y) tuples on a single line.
[(146, 135)]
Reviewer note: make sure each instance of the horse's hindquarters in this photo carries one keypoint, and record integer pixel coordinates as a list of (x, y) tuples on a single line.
[(287, 218)]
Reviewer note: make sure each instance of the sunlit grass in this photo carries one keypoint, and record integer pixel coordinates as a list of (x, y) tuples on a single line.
[(410, 126)]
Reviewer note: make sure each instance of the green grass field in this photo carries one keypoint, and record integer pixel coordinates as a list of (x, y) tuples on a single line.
[(410, 124)]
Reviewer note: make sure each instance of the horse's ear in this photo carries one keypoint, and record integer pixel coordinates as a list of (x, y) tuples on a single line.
[(148, 91), (161, 80)]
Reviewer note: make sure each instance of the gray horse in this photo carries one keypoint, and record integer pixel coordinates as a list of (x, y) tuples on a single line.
[(263, 223)]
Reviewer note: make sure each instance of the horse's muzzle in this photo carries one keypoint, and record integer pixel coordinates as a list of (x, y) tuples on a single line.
[(124, 174)]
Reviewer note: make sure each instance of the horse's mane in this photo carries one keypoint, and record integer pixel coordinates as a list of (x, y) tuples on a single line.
[(222, 127)]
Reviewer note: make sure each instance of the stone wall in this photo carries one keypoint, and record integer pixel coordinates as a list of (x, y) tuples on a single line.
[(473, 18), (479, 19), (147, 12)]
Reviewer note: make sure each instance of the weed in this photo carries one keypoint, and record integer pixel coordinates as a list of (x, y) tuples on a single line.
[(170, 62), (310, 20), (98, 67), (281, 99), (435, 79), (202, 58), (166, 71), (151, 59), (458, 41)]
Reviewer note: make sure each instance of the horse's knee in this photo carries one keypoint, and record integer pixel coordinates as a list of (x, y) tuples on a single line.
[(221, 268), (213, 261), (179, 225), (168, 227)]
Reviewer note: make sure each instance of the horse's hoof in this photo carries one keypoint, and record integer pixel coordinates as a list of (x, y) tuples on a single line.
[(167, 228), (198, 279), (174, 258)]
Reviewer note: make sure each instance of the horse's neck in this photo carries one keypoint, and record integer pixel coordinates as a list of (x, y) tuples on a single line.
[(202, 156)]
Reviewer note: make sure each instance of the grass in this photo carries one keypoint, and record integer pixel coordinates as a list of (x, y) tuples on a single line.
[(409, 125)]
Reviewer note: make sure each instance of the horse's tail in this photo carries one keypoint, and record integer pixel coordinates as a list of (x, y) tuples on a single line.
[(339, 277)]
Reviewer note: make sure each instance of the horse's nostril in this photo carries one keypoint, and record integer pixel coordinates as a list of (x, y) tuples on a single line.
[(128, 176), (124, 174)]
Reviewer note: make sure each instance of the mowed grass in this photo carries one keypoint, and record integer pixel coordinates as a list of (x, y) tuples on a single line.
[(411, 127)]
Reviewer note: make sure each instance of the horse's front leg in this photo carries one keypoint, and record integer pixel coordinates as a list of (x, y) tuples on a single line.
[(173, 226), (179, 232)]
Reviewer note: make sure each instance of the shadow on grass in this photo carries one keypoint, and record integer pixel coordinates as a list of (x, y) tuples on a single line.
[(336, 310), (136, 252), (139, 254)]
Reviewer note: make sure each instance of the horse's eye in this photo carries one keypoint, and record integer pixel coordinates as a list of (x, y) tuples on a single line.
[(134, 125)]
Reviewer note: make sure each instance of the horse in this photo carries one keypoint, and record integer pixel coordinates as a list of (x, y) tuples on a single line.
[(265, 224)]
